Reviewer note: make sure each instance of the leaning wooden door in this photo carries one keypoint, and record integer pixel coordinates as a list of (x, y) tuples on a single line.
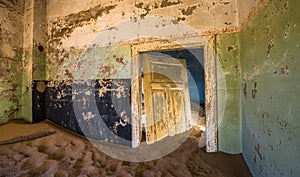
[(166, 96)]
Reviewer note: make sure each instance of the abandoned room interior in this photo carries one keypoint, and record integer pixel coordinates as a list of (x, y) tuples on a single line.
[(149, 88)]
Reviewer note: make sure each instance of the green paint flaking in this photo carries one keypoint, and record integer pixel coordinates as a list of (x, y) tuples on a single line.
[(9, 89), (61, 28), (107, 62)]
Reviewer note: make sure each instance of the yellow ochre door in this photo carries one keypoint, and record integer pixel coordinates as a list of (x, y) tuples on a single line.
[(166, 97)]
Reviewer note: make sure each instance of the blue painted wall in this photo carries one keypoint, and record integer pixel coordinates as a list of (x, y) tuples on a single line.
[(100, 115)]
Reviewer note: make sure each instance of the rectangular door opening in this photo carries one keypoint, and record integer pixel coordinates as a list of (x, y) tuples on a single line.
[(173, 96)]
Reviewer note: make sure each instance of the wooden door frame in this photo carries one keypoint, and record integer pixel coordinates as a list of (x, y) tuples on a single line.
[(210, 82)]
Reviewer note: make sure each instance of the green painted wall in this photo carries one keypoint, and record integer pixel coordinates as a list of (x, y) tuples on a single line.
[(11, 32), (111, 62), (270, 75), (228, 93)]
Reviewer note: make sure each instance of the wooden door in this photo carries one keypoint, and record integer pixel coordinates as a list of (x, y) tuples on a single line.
[(166, 96)]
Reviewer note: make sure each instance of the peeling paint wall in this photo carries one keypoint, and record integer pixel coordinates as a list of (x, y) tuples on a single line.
[(90, 93), (228, 93), (11, 32), (79, 31), (76, 24), (55, 45), (270, 90)]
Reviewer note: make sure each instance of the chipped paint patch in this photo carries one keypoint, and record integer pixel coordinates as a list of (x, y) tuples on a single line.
[(270, 46), (41, 86), (283, 70), (231, 48), (88, 116), (287, 30)]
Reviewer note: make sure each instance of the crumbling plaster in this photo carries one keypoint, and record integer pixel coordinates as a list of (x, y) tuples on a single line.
[(56, 33), (75, 26), (203, 16)]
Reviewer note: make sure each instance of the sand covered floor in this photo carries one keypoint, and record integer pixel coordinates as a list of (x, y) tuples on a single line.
[(60, 153)]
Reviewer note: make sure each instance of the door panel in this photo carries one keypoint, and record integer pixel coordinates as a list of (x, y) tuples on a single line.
[(166, 94)]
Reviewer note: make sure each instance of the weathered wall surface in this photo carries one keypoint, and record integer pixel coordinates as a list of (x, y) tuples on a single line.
[(85, 42), (247, 10), (228, 93), (11, 32), (270, 90), (84, 35), (34, 54), (75, 25)]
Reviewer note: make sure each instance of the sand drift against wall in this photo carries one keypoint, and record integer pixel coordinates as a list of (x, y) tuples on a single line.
[(66, 154)]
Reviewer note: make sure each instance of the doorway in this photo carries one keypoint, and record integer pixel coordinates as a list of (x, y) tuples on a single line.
[(204, 86), (172, 93)]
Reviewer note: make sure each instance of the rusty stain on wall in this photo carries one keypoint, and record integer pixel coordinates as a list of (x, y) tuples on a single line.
[(257, 150), (244, 88), (254, 90)]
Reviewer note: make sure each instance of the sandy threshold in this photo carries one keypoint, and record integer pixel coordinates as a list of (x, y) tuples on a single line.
[(65, 154)]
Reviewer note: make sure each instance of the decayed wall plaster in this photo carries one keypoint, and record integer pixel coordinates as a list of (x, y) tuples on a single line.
[(270, 90), (11, 26), (114, 23), (72, 26), (247, 10)]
